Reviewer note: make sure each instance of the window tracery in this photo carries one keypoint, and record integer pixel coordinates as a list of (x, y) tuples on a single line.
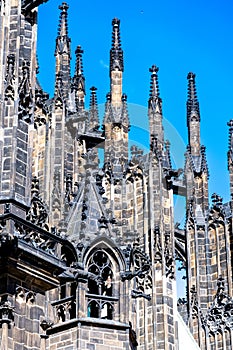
[(101, 293)]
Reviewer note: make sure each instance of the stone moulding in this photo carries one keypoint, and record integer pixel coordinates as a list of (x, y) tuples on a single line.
[(87, 321)]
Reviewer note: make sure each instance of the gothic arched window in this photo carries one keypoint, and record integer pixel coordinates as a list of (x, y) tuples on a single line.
[(101, 298)]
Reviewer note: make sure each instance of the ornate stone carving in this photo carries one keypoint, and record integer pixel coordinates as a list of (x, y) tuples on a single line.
[(216, 200), (36, 239), (69, 194), (138, 294), (156, 147), (157, 245), (194, 308), (168, 254), (56, 192), (99, 182), (65, 310), (6, 238), (38, 212), (139, 267), (42, 240), (220, 315), (6, 312), (133, 172), (91, 157), (20, 293), (216, 213), (84, 211), (155, 101), (30, 297), (41, 109), (25, 95), (10, 78), (59, 98), (136, 154), (23, 295), (116, 52)]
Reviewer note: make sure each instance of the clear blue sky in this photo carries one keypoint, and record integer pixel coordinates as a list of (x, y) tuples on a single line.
[(178, 36)]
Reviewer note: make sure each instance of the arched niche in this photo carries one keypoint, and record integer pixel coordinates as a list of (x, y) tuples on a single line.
[(104, 263)]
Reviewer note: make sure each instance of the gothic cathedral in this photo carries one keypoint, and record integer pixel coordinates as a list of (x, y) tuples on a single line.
[(88, 253)]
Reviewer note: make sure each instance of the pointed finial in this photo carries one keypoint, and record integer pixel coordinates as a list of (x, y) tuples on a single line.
[(154, 85), (116, 42), (216, 200), (116, 52), (63, 40), (62, 28), (93, 99), (124, 98), (79, 61), (230, 124), (108, 97), (230, 145), (62, 50), (78, 83), (192, 102), (154, 98), (94, 117)]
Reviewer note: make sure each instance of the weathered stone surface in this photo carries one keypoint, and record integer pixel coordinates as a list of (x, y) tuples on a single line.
[(88, 252)]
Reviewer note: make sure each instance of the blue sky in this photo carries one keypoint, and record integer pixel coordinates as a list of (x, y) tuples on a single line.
[(179, 37)]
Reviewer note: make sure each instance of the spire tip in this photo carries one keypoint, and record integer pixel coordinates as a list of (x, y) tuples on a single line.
[(116, 52), (191, 75), (63, 7), (154, 69)]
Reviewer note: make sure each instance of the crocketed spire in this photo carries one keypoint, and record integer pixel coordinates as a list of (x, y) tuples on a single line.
[(155, 112), (79, 79), (192, 102), (116, 52), (154, 98), (62, 29), (63, 40), (62, 52), (94, 118)]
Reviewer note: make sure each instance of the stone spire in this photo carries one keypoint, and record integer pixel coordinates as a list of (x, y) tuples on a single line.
[(116, 121), (193, 117), (116, 64), (62, 28), (94, 117), (230, 149), (155, 110), (62, 51), (230, 156), (196, 163), (155, 102), (79, 80), (192, 102), (116, 52)]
